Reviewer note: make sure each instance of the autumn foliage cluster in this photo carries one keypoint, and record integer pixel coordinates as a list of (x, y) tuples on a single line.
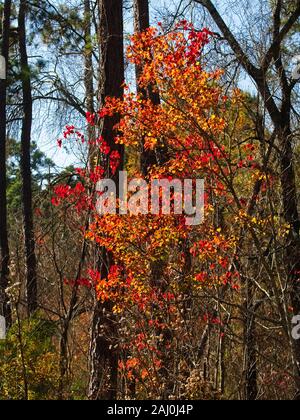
[(177, 292)]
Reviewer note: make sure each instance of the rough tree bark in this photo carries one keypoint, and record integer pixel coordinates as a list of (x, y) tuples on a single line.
[(141, 23), (103, 352), (5, 309), (31, 263), (250, 339), (89, 71)]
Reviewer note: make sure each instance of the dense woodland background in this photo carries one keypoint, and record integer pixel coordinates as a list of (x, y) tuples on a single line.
[(143, 308)]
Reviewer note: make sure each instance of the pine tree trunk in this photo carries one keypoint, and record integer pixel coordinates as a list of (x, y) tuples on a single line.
[(104, 343), (5, 309), (89, 72), (141, 23), (31, 263)]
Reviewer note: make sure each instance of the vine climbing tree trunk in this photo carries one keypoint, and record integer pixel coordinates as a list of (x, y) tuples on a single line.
[(103, 351)]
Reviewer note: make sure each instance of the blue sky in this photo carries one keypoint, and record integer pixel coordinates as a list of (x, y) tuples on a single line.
[(46, 138)]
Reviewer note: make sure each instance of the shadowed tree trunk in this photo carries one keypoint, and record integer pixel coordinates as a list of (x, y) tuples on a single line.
[(141, 23), (103, 352), (89, 72), (5, 309), (31, 264), (251, 387)]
